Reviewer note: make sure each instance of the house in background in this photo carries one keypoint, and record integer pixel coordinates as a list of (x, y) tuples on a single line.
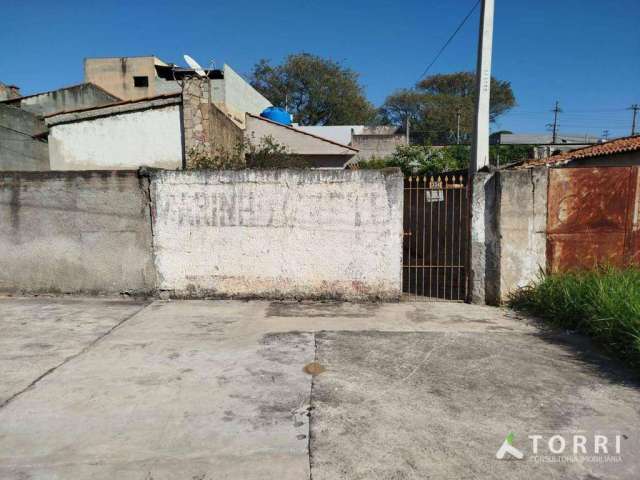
[(370, 141), (320, 152), (142, 111), (8, 92), (23, 140), (167, 131), (235, 96), (133, 78), (542, 144), (620, 152), (378, 141), (121, 135), (84, 95), (23, 131)]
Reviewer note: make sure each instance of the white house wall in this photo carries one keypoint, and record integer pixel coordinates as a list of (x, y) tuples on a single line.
[(126, 140), (237, 96), (294, 140)]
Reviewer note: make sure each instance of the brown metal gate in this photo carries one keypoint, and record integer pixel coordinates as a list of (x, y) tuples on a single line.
[(435, 237), (592, 217)]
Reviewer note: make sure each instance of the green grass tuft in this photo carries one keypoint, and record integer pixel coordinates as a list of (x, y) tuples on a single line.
[(604, 304)]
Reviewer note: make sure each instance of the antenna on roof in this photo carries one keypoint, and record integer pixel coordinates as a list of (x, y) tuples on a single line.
[(195, 65)]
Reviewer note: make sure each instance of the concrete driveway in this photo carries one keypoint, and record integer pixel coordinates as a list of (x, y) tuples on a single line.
[(103, 389)]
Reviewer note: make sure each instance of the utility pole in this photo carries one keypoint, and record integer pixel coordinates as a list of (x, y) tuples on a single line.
[(554, 126), (605, 134), (407, 126), (458, 127), (480, 143), (635, 107)]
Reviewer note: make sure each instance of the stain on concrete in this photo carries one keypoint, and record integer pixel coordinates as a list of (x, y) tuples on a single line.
[(313, 368), (322, 309), (37, 346)]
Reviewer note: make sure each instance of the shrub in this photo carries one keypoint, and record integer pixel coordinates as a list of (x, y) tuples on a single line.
[(247, 153), (422, 159), (604, 303)]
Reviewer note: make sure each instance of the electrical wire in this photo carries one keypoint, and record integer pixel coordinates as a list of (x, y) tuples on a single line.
[(446, 44)]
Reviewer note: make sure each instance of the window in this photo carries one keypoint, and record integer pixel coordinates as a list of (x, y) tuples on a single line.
[(140, 81)]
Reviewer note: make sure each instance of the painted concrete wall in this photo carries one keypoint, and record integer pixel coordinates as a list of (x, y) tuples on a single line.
[(377, 145), (337, 133), (296, 141), (127, 140), (508, 232), (522, 227), (285, 233), (75, 232), (116, 74), (236, 95), (21, 148)]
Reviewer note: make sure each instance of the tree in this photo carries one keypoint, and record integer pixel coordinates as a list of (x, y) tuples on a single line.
[(434, 104), (317, 91), (423, 159)]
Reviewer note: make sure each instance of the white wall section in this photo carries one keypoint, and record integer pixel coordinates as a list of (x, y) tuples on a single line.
[(124, 140), (285, 233)]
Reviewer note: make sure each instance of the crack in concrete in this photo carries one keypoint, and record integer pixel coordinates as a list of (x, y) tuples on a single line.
[(311, 407), (71, 357), (425, 360)]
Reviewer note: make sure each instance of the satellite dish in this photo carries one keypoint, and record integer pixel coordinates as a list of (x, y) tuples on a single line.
[(195, 65)]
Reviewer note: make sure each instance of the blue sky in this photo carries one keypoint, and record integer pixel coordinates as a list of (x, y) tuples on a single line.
[(584, 53)]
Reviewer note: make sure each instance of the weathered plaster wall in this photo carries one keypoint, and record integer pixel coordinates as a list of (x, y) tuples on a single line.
[(116, 74), (22, 147), (508, 232), (376, 145), (484, 259), (8, 92), (75, 232), (522, 227), (76, 97), (125, 140), (285, 233)]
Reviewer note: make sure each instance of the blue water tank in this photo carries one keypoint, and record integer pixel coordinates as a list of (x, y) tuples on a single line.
[(277, 114)]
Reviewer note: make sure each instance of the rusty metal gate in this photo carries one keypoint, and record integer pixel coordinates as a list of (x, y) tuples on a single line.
[(592, 217), (435, 237)]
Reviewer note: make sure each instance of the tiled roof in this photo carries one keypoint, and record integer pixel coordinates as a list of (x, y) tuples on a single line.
[(620, 145)]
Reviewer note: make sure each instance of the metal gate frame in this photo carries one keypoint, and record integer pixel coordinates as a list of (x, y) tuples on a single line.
[(435, 247)]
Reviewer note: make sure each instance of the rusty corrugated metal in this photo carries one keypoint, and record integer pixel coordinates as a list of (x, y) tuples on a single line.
[(592, 217), (632, 245)]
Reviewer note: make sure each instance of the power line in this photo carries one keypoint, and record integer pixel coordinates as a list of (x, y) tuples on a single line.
[(446, 44)]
